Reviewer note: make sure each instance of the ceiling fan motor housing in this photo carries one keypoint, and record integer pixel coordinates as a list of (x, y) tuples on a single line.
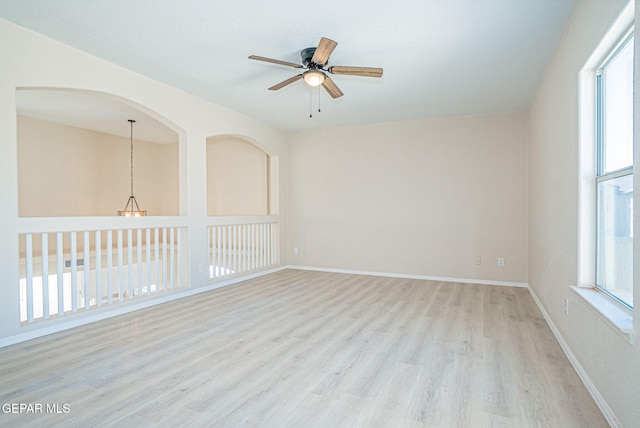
[(306, 55)]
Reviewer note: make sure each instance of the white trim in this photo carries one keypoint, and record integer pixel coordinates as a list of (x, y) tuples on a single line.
[(122, 309), (619, 319), (410, 276), (598, 398)]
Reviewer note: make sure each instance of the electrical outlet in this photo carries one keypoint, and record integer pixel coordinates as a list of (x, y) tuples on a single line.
[(501, 261), (566, 306), (296, 250), (201, 267), (478, 261)]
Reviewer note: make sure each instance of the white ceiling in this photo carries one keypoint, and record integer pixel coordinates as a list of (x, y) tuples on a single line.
[(440, 57)]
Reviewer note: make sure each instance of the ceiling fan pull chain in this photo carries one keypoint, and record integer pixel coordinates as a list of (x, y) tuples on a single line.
[(310, 102), (319, 99)]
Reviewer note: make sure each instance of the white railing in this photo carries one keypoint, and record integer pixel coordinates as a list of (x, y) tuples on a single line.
[(64, 272), (237, 247)]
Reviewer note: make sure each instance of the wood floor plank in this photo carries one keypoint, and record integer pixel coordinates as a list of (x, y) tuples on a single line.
[(298, 348)]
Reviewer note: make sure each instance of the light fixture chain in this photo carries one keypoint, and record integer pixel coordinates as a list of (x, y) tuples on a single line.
[(131, 139)]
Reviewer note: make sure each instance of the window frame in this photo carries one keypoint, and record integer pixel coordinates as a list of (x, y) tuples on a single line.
[(600, 128)]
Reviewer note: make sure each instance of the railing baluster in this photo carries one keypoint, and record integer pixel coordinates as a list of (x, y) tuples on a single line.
[(218, 266), (265, 245), (120, 270), (244, 248), (275, 251), (261, 226), (209, 252), (267, 248), (218, 260), (74, 272), (221, 252), (229, 249), (156, 253), (139, 261), (259, 232), (224, 251), (87, 278), (60, 272), (236, 248), (148, 251), (130, 262), (45, 275), (98, 251), (260, 244), (253, 247), (272, 247), (109, 250), (164, 258), (171, 257), (179, 256), (29, 273)]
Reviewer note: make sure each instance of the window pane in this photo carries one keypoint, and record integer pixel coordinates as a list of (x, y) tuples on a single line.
[(615, 237), (618, 111)]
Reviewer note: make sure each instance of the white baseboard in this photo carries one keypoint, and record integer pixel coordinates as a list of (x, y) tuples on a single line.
[(126, 308), (598, 398), (409, 276)]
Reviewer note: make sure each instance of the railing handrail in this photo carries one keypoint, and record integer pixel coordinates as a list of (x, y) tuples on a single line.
[(77, 224), (246, 219)]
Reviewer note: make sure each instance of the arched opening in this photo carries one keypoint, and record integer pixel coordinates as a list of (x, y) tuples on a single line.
[(238, 177), (74, 156)]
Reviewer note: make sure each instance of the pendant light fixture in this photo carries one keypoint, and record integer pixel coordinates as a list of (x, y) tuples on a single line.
[(131, 209)]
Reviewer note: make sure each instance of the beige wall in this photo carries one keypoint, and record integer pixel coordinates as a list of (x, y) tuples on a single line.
[(423, 197), (68, 171), (237, 177), (612, 364)]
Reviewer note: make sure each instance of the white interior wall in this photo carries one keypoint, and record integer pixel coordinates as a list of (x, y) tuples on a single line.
[(425, 197), (611, 363), (69, 171)]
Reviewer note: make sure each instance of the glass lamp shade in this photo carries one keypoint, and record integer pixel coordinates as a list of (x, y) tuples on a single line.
[(132, 209), (314, 77)]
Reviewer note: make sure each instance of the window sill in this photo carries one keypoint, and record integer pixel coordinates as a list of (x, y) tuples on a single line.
[(618, 318)]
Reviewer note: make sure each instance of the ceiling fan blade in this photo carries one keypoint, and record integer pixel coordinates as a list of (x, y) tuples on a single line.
[(275, 61), (286, 82), (356, 71), (323, 51), (331, 88)]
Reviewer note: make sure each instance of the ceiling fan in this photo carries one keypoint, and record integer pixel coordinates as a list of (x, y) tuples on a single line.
[(315, 60)]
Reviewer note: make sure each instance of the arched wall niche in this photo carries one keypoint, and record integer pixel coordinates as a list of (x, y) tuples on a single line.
[(242, 177), (74, 154)]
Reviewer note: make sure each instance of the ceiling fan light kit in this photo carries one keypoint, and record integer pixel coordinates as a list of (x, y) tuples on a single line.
[(313, 78), (315, 60)]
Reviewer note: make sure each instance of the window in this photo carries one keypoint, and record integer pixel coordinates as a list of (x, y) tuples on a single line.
[(614, 173)]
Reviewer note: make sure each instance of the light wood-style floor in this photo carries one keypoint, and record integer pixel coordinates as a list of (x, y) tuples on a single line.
[(308, 349)]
